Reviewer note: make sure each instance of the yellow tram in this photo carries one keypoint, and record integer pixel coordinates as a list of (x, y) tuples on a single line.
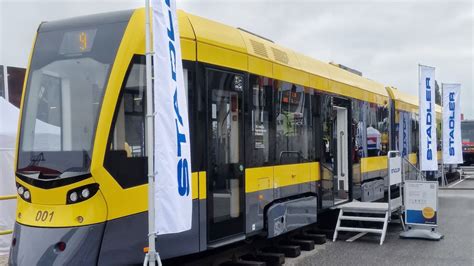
[(273, 133)]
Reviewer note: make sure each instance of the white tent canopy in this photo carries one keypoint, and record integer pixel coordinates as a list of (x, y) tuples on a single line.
[(8, 124), (8, 131), (9, 115)]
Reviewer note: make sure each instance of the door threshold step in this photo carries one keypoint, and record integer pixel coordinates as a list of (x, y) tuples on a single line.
[(226, 241)]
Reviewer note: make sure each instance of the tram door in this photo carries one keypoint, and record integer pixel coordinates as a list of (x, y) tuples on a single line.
[(340, 131), (225, 210)]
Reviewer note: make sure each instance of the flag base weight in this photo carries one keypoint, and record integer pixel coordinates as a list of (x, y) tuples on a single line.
[(418, 233)]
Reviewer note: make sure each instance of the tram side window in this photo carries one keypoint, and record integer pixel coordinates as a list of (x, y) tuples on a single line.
[(260, 115), (359, 114), (377, 130), (126, 158), (383, 121), (294, 126), (327, 149)]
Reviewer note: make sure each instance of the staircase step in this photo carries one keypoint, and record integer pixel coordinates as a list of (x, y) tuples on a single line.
[(362, 218), (358, 229)]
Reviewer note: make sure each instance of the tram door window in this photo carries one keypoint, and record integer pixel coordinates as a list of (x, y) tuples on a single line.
[(359, 140), (225, 157), (126, 158), (377, 130), (327, 151)]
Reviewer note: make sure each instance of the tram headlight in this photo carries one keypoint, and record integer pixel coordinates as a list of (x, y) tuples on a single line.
[(85, 193), (26, 195), (23, 192), (81, 193), (73, 196)]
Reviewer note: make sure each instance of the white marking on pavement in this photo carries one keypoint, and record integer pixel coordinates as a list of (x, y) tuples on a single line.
[(359, 235), (452, 185)]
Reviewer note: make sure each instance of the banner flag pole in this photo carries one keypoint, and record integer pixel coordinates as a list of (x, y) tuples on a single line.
[(443, 174), (152, 257)]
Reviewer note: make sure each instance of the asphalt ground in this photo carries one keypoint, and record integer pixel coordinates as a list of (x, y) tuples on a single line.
[(456, 223), (467, 183)]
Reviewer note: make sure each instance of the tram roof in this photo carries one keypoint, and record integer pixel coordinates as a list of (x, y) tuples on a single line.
[(255, 54), (408, 102), (404, 101)]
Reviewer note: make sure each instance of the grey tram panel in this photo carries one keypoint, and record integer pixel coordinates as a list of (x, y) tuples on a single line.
[(373, 190), (286, 216)]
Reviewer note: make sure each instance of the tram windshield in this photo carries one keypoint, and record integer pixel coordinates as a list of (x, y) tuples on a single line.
[(67, 79)]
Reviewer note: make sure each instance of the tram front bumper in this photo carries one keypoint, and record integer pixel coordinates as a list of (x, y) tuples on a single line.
[(56, 246)]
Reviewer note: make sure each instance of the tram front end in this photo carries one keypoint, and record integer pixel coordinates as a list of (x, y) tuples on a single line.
[(67, 198)]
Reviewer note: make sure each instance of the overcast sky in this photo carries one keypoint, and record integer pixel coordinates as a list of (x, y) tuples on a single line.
[(386, 40)]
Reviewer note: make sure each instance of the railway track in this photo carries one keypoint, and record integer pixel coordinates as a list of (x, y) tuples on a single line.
[(259, 251)]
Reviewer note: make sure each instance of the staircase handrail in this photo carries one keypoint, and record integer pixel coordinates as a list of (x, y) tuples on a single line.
[(419, 174)]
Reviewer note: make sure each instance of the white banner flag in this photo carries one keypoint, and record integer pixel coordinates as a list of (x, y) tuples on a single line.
[(173, 192), (452, 146), (427, 120)]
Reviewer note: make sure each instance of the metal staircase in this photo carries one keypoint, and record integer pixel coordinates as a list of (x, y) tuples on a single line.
[(356, 211), (378, 213)]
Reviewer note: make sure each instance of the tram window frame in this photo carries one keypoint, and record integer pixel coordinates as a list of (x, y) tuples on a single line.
[(326, 117), (377, 118), (359, 124), (316, 113), (129, 176), (127, 170), (296, 153), (262, 103)]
